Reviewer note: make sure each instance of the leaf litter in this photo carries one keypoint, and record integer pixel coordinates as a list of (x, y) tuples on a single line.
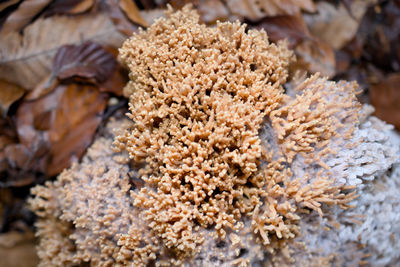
[(60, 78)]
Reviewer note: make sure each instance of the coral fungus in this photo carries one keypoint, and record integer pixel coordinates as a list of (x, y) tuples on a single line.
[(217, 164)]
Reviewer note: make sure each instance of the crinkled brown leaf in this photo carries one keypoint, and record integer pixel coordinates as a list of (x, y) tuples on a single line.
[(132, 12), (62, 123), (9, 93), (257, 9), (26, 60), (290, 27), (23, 15), (120, 21), (70, 7), (385, 97), (88, 61)]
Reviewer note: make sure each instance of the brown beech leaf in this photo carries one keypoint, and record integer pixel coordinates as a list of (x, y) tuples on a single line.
[(43, 88), (385, 97), (120, 21), (312, 54), (70, 7), (5, 4), (23, 15), (118, 79), (337, 24), (257, 9), (132, 12), (290, 27), (61, 123), (88, 61), (9, 93), (26, 60)]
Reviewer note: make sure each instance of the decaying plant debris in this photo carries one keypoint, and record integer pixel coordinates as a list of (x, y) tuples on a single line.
[(60, 82), (218, 165)]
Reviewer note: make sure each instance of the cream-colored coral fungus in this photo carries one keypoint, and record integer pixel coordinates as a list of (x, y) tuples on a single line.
[(198, 99), (218, 165)]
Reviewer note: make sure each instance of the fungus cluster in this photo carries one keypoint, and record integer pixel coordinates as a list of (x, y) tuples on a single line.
[(217, 164)]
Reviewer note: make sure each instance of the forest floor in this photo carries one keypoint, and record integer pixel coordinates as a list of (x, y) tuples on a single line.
[(60, 79)]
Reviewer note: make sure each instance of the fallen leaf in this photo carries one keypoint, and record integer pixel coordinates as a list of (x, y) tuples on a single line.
[(290, 27), (335, 24), (13, 238), (18, 156), (88, 61), (257, 9), (118, 79), (385, 97), (26, 11), (132, 12), (9, 93), (150, 4), (70, 7), (26, 60), (43, 88), (18, 249), (380, 33), (8, 3), (152, 14), (62, 123), (312, 54), (317, 56), (120, 21), (213, 10)]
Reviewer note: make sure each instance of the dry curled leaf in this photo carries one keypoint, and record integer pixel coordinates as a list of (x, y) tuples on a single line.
[(9, 93), (88, 61), (132, 12), (70, 7), (26, 60), (85, 63), (61, 123), (385, 97), (26, 11), (258, 9)]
